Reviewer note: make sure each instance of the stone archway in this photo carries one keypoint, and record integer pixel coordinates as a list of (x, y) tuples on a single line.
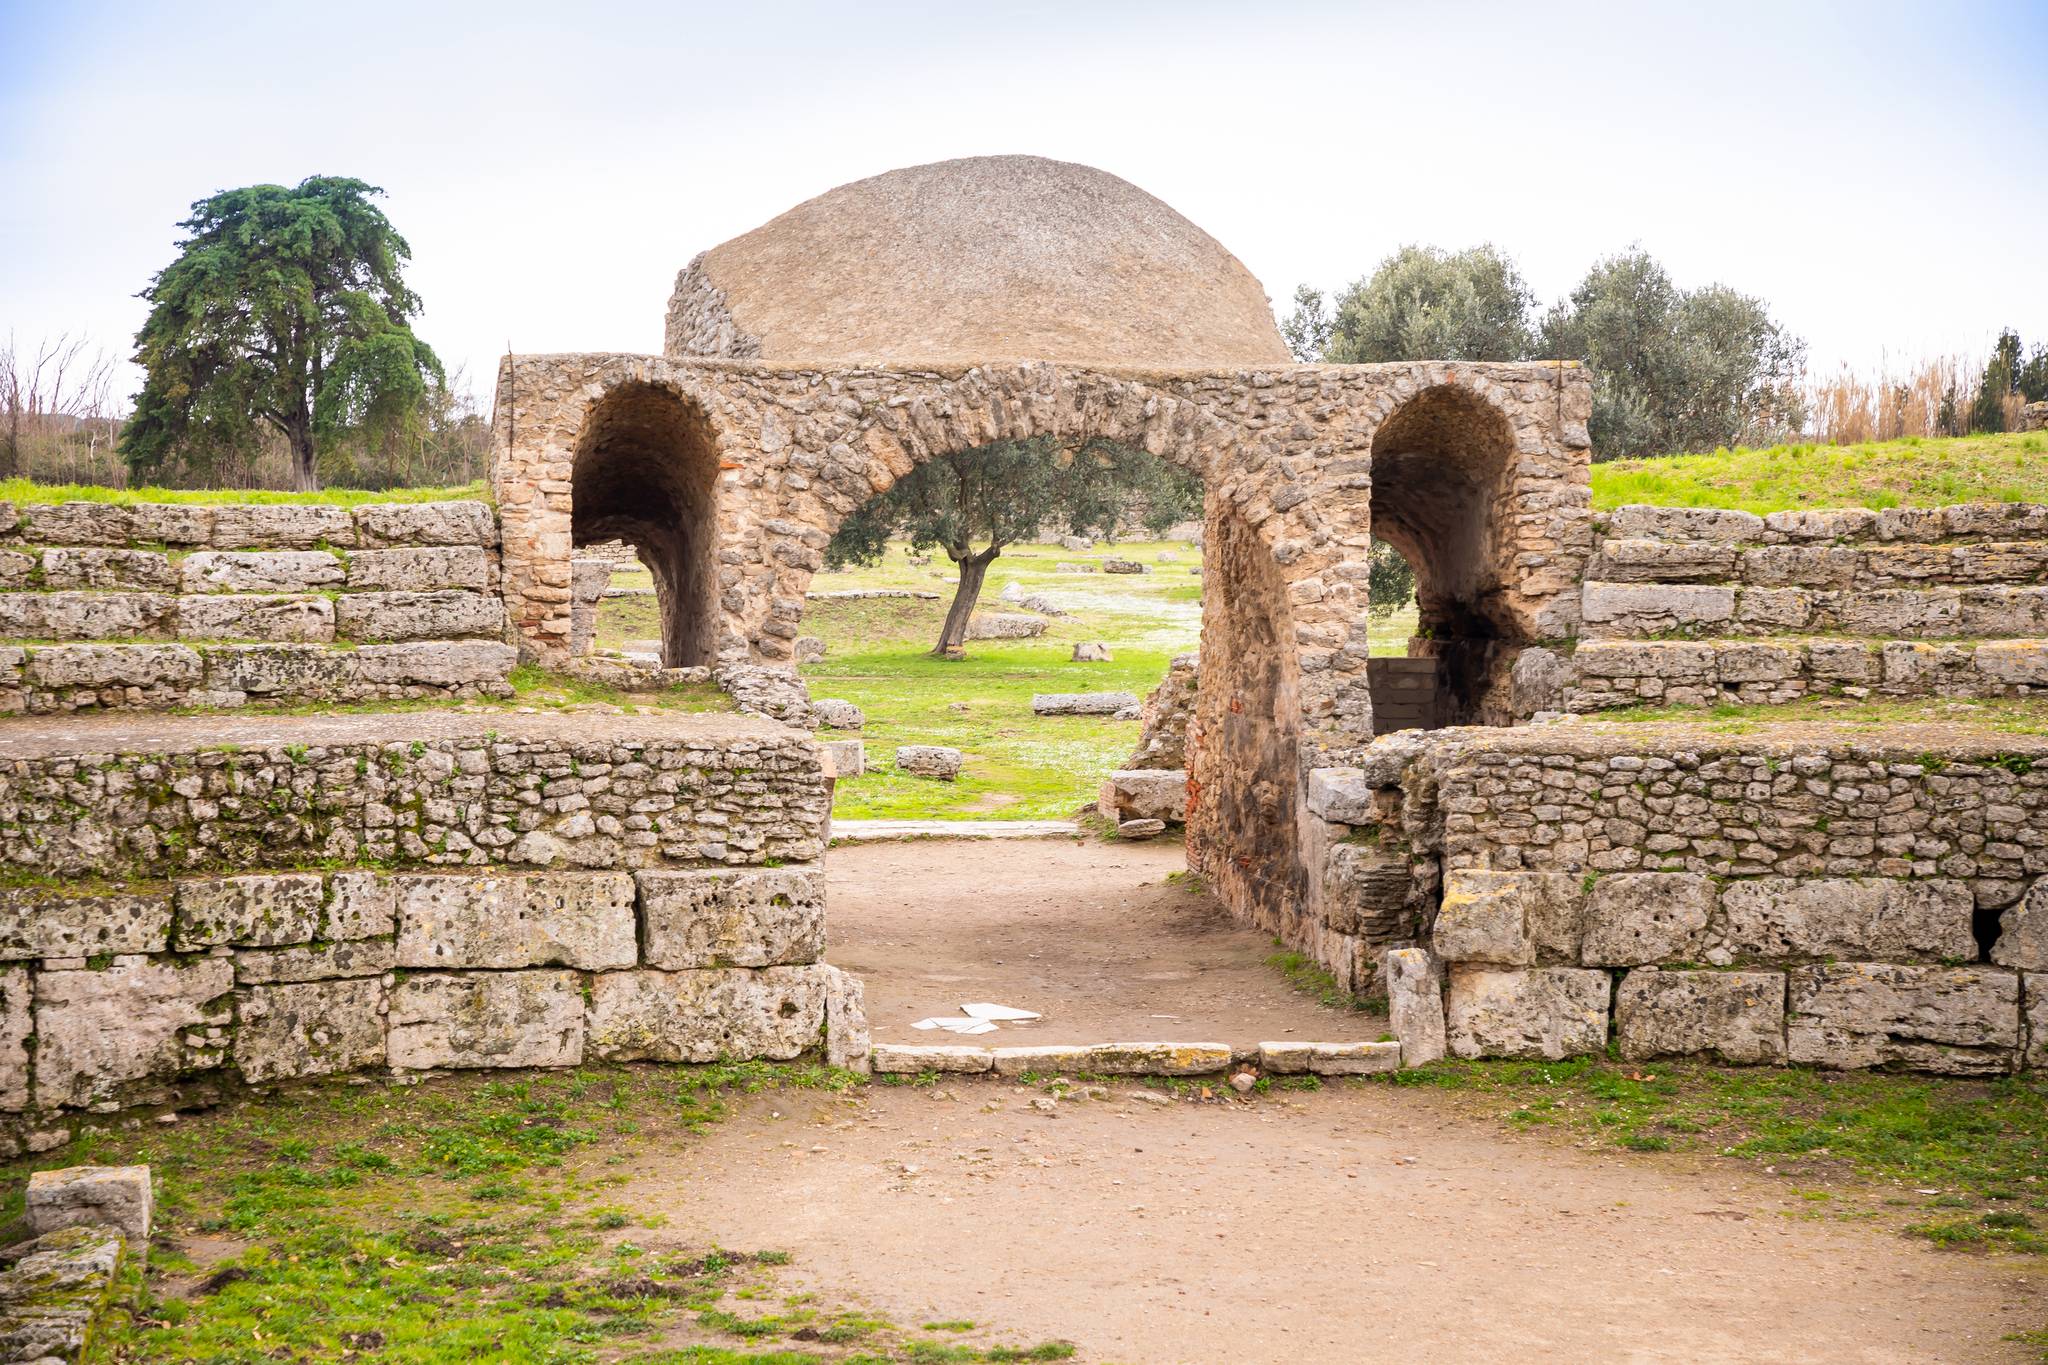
[(645, 471), (1443, 482)]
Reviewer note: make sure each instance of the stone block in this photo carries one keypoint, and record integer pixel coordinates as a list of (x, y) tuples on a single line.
[(2034, 1005), (1789, 919), (66, 921), (263, 910), (1140, 829), (1284, 1059), (1115, 1059), (282, 526), (57, 1299), (2023, 931), (1737, 1017), (1899, 611), (848, 1042), (1508, 918), (1958, 1020), (280, 670), (483, 664), (130, 570), (1353, 1059), (1640, 521), (2012, 663), (719, 917), (17, 1025), (929, 760), (360, 905), (106, 523), (1663, 605), (846, 757), (486, 1019), (1124, 566), (426, 569), (1663, 561), (731, 1013), (1776, 609), (911, 1058), (808, 649), (1004, 626), (1415, 1003), (256, 617), (1638, 918), (1546, 1012), (1091, 652), (1144, 794), (1342, 796), (315, 962), (150, 667), (1081, 703), (395, 616), (1664, 659), (16, 569), (534, 919), (426, 523), (261, 571), (1833, 523), (117, 1197), (1369, 892), (835, 714), (84, 615), (1801, 566), (98, 1033), (313, 1028)]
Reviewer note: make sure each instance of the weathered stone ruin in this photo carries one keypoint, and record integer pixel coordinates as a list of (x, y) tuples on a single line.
[(195, 902)]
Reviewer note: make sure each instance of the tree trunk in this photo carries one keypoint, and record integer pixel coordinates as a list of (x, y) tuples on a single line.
[(305, 474), (973, 569)]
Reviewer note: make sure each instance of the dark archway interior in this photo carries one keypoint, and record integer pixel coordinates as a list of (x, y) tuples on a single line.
[(1441, 466), (647, 473)]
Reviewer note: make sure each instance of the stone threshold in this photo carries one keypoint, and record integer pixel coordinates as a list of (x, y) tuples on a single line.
[(874, 831), (1140, 1059)]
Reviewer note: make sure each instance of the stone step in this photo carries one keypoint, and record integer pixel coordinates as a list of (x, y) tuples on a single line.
[(873, 831), (53, 678), (1139, 1059)]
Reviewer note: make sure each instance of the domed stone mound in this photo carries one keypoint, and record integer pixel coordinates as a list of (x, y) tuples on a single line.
[(990, 258)]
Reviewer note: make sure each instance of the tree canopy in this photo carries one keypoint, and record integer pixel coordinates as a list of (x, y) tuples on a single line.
[(285, 309), (1008, 492), (1421, 303)]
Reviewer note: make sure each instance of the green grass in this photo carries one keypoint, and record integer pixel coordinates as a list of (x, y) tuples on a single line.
[(2011, 715), (1980, 1147), (20, 491), (1914, 472), (468, 1218), (1312, 979)]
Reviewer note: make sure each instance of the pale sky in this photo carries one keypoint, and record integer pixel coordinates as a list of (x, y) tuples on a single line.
[(1875, 171)]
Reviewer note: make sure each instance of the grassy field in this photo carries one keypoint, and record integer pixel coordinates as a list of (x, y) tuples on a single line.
[(20, 491), (1914, 472)]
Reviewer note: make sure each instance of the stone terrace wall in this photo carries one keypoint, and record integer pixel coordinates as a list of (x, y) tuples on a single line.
[(1791, 896), (1692, 606), (158, 605), (559, 888)]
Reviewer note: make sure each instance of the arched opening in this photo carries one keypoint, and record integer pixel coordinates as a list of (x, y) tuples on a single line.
[(1442, 469), (646, 472)]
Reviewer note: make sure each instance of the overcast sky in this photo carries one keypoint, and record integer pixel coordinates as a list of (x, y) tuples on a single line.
[(1875, 171)]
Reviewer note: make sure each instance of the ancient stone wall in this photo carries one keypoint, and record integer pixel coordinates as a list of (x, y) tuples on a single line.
[(1693, 606), (1794, 895), (157, 605), (199, 902)]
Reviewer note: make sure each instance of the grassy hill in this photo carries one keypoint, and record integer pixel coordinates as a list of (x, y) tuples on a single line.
[(1913, 472)]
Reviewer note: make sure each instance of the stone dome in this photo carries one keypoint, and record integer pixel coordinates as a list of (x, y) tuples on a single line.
[(989, 258)]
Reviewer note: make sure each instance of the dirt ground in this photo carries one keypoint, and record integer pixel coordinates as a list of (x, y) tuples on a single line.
[(1360, 1223), (1093, 936)]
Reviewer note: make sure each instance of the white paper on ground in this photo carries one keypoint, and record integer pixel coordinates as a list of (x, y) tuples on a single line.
[(957, 1025), (983, 1010)]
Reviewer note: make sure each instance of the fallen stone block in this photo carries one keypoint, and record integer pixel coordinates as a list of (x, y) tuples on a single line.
[(705, 1016), (117, 1197), (1638, 918), (1091, 652), (808, 649), (1546, 1012), (910, 1059), (1125, 566), (835, 714), (1737, 1017), (1140, 829), (1958, 1020), (848, 1043), (1081, 703), (538, 919), (1144, 794), (1065, 566), (716, 917), (1353, 1059), (1004, 626), (312, 1028), (486, 1019), (1415, 1003), (929, 760)]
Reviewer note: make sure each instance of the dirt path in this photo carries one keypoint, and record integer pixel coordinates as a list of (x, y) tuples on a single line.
[(1361, 1223), (1093, 936)]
